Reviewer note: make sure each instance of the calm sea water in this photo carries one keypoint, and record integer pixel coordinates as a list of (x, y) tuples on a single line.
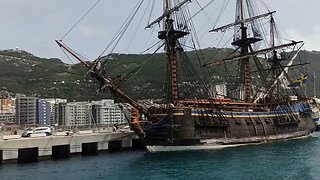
[(295, 159)]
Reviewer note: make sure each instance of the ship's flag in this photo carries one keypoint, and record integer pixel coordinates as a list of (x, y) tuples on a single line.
[(299, 82)]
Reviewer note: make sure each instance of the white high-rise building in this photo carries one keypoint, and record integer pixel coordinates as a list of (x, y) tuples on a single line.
[(107, 112), (239, 93), (218, 90), (104, 112), (77, 114)]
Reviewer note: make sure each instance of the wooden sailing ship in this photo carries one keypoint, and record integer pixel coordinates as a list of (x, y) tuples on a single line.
[(200, 122)]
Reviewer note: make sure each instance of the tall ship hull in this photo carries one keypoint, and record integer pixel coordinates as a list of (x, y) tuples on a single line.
[(191, 128)]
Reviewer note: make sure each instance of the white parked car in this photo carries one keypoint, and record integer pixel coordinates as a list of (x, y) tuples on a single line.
[(29, 131)]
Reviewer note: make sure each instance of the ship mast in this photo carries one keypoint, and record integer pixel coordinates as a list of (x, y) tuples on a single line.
[(246, 18), (244, 43), (170, 36), (245, 66), (275, 61)]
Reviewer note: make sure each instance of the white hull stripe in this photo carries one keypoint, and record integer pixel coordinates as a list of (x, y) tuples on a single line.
[(212, 143)]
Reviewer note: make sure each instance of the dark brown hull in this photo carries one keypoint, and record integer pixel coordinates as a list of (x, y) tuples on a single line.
[(186, 128)]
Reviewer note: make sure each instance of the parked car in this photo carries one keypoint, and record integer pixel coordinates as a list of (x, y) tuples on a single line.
[(29, 131)]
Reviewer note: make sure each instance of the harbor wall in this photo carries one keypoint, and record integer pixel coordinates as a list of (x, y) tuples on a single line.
[(31, 148)]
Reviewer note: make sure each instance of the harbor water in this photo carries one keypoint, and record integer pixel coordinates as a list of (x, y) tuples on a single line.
[(294, 159)]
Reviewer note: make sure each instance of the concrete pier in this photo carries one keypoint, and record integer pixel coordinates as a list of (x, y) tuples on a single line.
[(1, 157), (60, 151), (31, 148)]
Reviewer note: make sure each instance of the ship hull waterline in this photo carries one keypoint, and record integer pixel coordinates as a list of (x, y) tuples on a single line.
[(190, 129), (229, 143)]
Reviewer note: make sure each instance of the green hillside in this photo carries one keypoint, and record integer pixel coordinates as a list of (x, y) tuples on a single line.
[(22, 72)]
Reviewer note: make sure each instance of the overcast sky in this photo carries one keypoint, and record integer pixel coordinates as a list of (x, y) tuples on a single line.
[(33, 25)]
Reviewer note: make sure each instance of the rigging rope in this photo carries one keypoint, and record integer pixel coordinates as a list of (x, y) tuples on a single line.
[(192, 78), (132, 73), (137, 28), (224, 6), (151, 47), (195, 40), (123, 29), (265, 5), (68, 56), (151, 9), (78, 22), (148, 40), (202, 9)]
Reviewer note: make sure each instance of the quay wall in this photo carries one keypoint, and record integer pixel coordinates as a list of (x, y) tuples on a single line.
[(12, 148)]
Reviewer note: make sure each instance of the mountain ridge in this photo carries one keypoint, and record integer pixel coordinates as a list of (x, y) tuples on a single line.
[(22, 72)]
